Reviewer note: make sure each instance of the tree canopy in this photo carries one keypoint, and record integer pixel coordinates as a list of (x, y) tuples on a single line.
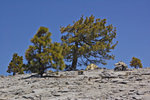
[(15, 66), (136, 63), (88, 41), (43, 54)]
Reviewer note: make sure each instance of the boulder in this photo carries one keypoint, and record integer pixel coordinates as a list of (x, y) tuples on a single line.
[(120, 66), (80, 72), (91, 67)]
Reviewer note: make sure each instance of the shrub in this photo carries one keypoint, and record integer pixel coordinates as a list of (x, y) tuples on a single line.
[(136, 63), (16, 65)]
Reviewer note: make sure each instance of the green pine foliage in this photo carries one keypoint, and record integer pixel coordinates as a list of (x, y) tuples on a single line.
[(88, 41), (15, 66), (136, 63), (57, 58), (43, 54)]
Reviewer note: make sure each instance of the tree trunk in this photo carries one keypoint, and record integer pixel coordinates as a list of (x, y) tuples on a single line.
[(75, 57), (74, 62), (136, 67), (41, 73), (41, 67), (14, 73)]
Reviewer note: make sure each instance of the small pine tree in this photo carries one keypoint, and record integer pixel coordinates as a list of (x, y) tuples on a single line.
[(16, 64), (136, 63), (43, 54)]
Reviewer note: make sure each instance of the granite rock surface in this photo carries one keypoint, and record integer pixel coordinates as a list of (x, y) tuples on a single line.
[(98, 84)]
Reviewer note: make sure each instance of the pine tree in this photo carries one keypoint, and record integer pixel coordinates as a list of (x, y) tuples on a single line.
[(136, 63), (43, 54), (15, 65), (88, 41)]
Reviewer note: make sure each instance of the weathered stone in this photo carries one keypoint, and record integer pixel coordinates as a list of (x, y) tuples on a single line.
[(120, 66), (140, 92), (101, 84), (28, 97), (91, 67), (123, 82), (146, 97), (137, 97), (80, 72)]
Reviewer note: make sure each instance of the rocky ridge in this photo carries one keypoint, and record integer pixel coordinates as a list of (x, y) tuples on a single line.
[(98, 84)]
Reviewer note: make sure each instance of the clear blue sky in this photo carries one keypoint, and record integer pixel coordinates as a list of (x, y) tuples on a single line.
[(20, 19)]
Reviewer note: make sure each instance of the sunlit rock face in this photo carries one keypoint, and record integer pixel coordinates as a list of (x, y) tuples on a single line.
[(98, 84)]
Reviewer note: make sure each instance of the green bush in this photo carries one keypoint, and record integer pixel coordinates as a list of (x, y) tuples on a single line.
[(136, 63), (16, 65)]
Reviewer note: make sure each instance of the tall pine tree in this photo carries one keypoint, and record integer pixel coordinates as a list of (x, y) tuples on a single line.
[(88, 41), (43, 54)]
